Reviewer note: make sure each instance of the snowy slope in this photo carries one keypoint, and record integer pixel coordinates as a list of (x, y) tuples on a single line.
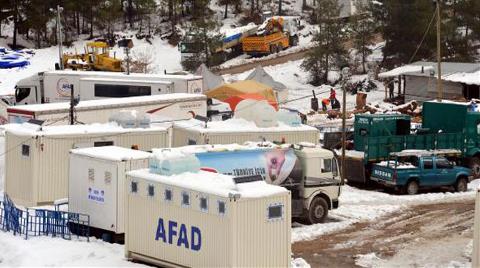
[(163, 55)]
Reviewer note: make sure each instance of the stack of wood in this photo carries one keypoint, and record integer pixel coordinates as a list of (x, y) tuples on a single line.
[(411, 108)]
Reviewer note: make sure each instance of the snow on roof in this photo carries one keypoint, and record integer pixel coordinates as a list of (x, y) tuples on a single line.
[(112, 153), (414, 152), (407, 69), (212, 183), (123, 102), (237, 125), (25, 129), (466, 78), (448, 69), (123, 75)]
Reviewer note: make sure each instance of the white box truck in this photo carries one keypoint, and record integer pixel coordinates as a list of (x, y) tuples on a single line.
[(176, 106), (97, 178), (55, 86)]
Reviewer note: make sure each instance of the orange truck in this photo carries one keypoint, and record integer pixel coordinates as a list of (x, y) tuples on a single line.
[(274, 35)]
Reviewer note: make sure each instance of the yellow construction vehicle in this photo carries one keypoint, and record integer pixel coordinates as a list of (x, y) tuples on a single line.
[(274, 35), (96, 57)]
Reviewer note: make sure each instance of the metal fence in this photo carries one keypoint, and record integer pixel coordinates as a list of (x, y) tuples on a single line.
[(42, 222)]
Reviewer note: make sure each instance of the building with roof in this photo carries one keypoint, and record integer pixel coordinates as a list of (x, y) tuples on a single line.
[(419, 80)]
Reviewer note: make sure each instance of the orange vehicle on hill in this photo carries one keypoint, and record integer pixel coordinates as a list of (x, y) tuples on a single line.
[(274, 35)]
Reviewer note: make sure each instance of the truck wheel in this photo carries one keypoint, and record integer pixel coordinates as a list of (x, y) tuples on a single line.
[(474, 165), (318, 210), (411, 188), (461, 185)]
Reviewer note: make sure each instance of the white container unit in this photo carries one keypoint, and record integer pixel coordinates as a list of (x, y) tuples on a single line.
[(96, 185), (206, 219), (37, 158), (194, 132), (168, 106)]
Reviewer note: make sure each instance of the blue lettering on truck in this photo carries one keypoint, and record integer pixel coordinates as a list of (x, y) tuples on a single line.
[(179, 236)]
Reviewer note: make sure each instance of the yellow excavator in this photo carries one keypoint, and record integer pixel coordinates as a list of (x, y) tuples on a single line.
[(96, 58)]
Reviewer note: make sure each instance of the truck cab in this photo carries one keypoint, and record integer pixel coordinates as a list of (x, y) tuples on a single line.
[(319, 186), (408, 173)]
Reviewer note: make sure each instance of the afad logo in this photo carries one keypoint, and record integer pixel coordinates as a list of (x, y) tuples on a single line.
[(63, 87), (196, 87)]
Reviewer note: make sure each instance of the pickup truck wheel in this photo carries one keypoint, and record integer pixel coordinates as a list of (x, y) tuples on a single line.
[(318, 210), (411, 188), (461, 185)]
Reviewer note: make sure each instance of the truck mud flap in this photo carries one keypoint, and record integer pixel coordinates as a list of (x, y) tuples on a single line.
[(355, 171)]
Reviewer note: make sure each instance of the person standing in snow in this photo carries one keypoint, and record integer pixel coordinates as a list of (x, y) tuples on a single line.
[(333, 97), (391, 88)]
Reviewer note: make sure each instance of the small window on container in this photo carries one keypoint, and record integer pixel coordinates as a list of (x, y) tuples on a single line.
[(168, 195), (185, 199), (151, 190), (222, 208), (134, 187), (25, 150), (275, 212), (203, 204)]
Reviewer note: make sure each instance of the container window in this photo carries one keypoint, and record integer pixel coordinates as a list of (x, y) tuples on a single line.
[(185, 199), (151, 190), (275, 211), (108, 177), (221, 208), (168, 195), (203, 204), (134, 187), (25, 150), (102, 143), (91, 174)]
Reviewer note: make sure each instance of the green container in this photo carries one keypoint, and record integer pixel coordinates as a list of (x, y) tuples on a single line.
[(444, 117), (379, 125)]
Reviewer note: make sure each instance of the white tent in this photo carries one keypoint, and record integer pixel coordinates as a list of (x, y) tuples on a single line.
[(261, 76), (210, 80)]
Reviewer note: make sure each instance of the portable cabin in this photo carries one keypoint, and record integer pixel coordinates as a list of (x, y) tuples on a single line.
[(194, 132), (36, 160), (96, 184), (206, 219)]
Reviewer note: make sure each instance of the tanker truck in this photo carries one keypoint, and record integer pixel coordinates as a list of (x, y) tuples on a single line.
[(309, 172)]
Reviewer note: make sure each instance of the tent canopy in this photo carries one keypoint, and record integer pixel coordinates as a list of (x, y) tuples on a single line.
[(210, 80), (261, 76), (234, 100), (226, 91)]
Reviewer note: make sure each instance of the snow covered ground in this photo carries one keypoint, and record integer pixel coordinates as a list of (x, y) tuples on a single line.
[(164, 57), (296, 80)]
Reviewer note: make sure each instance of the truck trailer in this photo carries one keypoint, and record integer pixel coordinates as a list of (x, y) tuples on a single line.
[(176, 106), (55, 86), (310, 173), (445, 125)]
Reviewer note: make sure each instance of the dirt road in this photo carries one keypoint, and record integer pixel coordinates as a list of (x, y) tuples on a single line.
[(266, 62), (424, 234)]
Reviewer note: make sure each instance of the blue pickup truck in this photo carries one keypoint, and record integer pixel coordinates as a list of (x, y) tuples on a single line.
[(408, 173)]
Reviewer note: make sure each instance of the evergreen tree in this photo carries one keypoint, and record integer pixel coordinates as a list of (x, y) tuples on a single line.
[(204, 38), (108, 13), (226, 3), (363, 29), (329, 42)]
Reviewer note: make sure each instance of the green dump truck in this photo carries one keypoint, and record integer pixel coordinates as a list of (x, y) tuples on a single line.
[(445, 125)]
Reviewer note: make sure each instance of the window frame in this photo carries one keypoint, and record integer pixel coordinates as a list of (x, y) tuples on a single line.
[(132, 183), (206, 203), (25, 150), (219, 202), (170, 190), (151, 194), (282, 212), (185, 193)]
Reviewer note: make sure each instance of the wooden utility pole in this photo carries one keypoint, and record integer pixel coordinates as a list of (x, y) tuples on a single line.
[(345, 73), (72, 105), (439, 54)]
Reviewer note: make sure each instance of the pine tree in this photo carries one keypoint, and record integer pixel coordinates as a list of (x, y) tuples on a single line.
[(226, 3), (205, 39), (329, 42), (108, 13), (363, 29)]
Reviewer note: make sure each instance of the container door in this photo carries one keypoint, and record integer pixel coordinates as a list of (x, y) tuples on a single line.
[(445, 171)]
